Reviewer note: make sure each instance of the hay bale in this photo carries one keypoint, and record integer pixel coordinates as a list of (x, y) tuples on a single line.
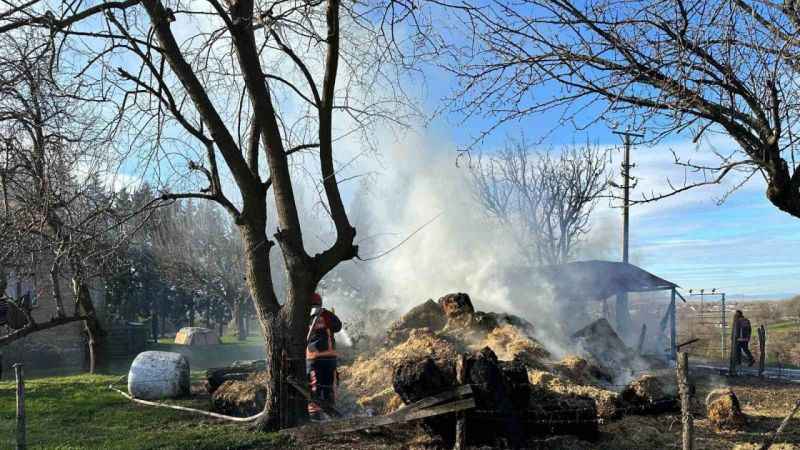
[(369, 378), (157, 375), (456, 306), (579, 370), (427, 315), (649, 394), (239, 398), (723, 410), (606, 402), (602, 343), (509, 342), (238, 371), (508, 410), (196, 336)]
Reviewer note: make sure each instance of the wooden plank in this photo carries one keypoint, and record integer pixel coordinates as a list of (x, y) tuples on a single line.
[(363, 423), (460, 391), (325, 405)]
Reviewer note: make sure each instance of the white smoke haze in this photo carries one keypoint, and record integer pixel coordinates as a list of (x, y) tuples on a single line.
[(422, 234)]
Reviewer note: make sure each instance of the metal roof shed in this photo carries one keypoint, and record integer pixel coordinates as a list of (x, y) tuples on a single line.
[(596, 280)]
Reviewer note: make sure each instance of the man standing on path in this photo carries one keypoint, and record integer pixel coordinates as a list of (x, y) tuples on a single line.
[(321, 356), (742, 331)]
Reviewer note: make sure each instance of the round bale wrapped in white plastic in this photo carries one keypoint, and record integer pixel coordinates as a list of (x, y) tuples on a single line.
[(157, 375)]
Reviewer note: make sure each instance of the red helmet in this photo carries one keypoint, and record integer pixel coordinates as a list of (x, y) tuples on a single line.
[(316, 299)]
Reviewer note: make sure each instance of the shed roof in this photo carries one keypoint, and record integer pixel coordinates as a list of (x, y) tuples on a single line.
[(597, 280)]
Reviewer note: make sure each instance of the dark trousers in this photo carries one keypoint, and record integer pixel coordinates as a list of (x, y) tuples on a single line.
[(743, 347), (321, 379)]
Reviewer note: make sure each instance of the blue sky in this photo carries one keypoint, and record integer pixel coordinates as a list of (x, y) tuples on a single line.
[(744, 246)]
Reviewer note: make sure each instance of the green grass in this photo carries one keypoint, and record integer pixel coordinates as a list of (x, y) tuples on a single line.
[(80, 412), (783, 327)]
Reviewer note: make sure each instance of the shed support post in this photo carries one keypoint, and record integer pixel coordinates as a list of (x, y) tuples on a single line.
[(623, 315), (673, 327)]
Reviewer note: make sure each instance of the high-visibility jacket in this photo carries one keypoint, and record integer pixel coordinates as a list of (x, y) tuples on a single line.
[(321, 343)]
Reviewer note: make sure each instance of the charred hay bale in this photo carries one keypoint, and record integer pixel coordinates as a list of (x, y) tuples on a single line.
[(238, 371), (601, 342), (579, 370), (504, 414), (649, 394), (426, 315), (553, 413), (456, 305), (239, 398), (606, 402), (724, 411)]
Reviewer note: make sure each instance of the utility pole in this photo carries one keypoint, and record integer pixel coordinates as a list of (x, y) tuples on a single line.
[(623, 315), (626, 188)]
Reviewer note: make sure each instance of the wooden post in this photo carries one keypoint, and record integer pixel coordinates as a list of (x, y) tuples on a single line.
[(734, 351), (21, 441), (683, 390), (762, 340), (673, 326), (723, 336), (461, 421), (283, 399), (641, 339)]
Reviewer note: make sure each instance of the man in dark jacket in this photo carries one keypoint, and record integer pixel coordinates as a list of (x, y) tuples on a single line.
[(741, 333), (321, 355)]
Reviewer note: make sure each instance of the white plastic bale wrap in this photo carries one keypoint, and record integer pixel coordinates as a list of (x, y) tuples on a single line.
[(156, 375)]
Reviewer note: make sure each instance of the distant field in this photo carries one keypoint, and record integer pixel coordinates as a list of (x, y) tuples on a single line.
[(783, 327)]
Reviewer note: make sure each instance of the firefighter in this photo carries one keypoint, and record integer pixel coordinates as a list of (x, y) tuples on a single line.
[(321, 356), (741, 333)]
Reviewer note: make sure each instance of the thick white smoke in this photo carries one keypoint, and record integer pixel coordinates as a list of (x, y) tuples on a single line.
[(421, 209)]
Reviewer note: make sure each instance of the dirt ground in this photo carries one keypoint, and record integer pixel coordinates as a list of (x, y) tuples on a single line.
[(765, 402)]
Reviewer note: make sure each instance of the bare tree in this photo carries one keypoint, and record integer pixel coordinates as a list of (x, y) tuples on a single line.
[(195, 249), (215, 89), (545, 199), (56, 214), (708, 66)]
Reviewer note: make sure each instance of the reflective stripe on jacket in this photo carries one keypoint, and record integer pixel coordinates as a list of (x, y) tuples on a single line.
[(321, 343)]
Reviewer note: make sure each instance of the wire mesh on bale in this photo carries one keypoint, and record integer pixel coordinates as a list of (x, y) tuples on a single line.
[(723, 410)]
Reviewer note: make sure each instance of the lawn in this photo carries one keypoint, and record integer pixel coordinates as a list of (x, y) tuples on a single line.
[(80, 412), (204, 357)]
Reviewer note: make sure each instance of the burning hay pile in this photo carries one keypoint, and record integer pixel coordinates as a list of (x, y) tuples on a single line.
[(439, 331), (520, 392)]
